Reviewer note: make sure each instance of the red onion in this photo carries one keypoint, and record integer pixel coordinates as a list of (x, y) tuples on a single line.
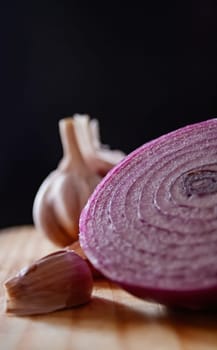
[(151, 224)]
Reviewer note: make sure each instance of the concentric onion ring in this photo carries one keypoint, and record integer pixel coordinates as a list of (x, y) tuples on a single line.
[(151, 224)]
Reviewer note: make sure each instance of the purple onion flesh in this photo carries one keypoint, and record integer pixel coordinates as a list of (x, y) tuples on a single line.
[(151, 224)]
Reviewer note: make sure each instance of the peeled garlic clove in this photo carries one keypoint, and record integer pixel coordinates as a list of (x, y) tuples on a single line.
[(57, 281)]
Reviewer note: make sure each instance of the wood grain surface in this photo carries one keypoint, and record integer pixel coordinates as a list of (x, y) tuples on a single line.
[(113, 320)]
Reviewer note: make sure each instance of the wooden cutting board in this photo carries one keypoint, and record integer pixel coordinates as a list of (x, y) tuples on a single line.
[(113, 320)]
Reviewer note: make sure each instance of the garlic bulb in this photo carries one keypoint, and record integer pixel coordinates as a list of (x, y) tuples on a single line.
[(63, 194)]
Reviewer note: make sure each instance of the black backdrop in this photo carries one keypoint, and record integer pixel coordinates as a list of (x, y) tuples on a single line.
[(142, 71)]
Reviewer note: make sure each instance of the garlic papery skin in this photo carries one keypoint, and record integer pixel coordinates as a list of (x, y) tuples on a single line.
[(63, 194), (98, 157), (57, 281)]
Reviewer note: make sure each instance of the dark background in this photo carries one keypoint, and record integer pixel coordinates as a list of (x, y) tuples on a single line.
[(141, 70)]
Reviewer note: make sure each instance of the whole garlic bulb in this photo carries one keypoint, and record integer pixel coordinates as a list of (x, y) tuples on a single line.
[(63, 194)]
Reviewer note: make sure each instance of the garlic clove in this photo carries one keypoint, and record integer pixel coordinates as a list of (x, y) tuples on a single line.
[(57, 281)]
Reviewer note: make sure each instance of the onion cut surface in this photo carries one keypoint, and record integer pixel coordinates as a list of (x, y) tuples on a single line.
[(151, 223)]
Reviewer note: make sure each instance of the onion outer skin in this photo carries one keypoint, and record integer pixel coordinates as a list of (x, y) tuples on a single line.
[(102, 248)]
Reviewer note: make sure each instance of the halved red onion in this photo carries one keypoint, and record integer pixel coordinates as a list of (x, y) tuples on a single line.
[(151, 224)]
